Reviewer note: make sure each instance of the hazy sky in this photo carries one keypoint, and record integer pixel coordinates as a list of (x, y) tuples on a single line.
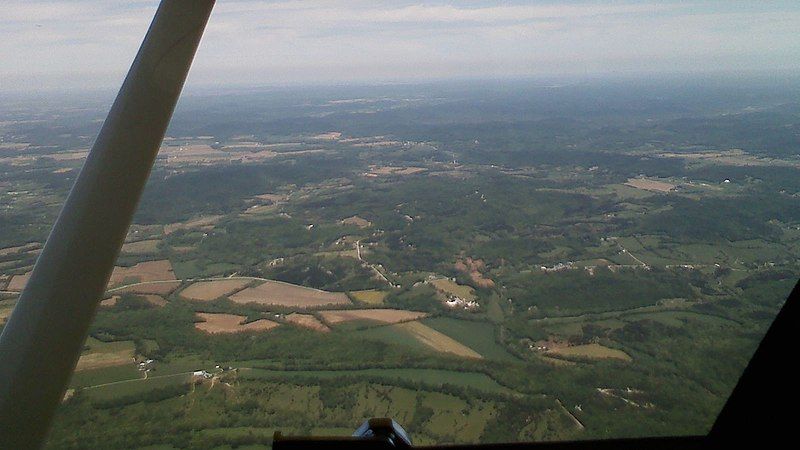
[(84, 43)]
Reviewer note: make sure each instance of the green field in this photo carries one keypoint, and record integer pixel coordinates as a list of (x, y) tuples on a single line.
[(431, 378), (479, 336)]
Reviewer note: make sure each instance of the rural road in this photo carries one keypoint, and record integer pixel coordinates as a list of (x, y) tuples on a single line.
[(374, 269)]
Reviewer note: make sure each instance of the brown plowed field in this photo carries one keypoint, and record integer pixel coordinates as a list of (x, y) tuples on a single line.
[(144, 271), (377, 315), (307, 321), (289, 295), (231, 323), (156, 288), (211, 290)]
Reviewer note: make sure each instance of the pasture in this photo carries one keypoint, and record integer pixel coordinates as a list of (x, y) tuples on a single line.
[(199, 269), (372, 297), (447, 286), (18, 282), (434, 378), (98, 354), (479, 336), (436, 340), (204, 222), (141, 247), (6, 306), (360, 222), (260, 209), (650, 185), (151, 288), (590, 351)]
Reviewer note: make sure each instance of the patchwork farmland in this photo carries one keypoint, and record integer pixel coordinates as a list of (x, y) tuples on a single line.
[(533, 262)]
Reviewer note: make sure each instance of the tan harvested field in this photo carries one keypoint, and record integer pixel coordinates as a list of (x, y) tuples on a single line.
[(141, 247), (289, 295), (357, 221), (211, 290), (100, 360), (139, 232), (106, 354), (153, 287), (200, 222), (733, 157), (436, 340), (650, 185), (20, 248), (271, 198), (372, 144), (13, 145), (377, 315), (5, 310), (256, 156), (329, 136), (390, 170), (260, 209), (155, 300), (194, 154), (341, 254), (219, 323), (18, 282), (258, 325), (145, 271), (307, 321), (370, 296), (109, 302), (231, 323), (590, 351), (448, 286), (69, 156)]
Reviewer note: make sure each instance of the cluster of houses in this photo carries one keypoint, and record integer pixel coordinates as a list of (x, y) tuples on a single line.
[(454, 301), (558, 267), (201, 374), (146, 365), (205, 375), (539, 346)]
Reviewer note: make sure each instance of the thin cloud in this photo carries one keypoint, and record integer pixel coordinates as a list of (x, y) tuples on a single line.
[(91, 42)]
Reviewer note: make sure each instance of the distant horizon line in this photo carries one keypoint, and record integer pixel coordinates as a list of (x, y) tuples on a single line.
[(781, 76)]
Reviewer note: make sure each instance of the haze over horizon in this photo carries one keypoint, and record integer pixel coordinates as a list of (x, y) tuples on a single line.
[(52, 44)]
